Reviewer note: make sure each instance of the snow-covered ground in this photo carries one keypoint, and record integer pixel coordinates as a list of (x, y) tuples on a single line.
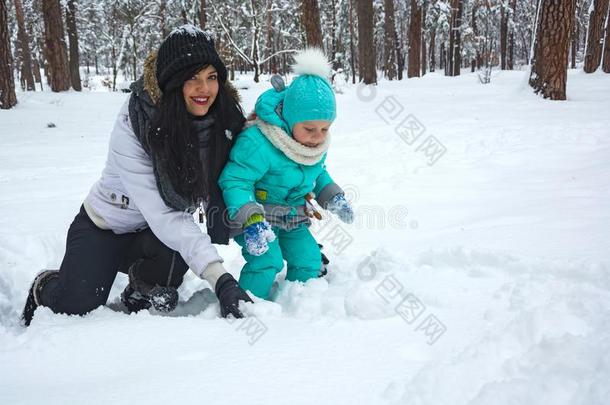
[(477, 272)]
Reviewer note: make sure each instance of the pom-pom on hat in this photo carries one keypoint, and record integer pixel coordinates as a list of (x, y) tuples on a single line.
[(310, 96), (187, 47)]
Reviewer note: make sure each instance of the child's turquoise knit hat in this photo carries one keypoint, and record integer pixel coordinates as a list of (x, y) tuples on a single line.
[(310, 96)]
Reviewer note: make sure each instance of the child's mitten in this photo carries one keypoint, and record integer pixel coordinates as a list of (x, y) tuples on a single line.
[(258, 234), (339, 206)]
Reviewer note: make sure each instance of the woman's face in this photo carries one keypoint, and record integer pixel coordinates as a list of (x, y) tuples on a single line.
[(200, 91), (310, 133)]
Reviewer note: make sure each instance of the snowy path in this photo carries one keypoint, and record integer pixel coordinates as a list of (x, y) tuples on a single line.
[(498, 254)]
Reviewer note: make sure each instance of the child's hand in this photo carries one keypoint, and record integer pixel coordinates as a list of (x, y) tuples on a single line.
[(339, 206), (257, 234)]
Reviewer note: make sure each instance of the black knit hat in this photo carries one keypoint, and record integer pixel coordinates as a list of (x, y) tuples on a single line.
[(187, 47)]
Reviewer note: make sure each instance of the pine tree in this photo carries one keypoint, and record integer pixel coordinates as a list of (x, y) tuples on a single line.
[(24, 48), (366, 48), (606, 56), (390, 40), (55, 46), (8, 98), (595, 37), (454, 54), (415, 30), (73, 44), (310, 16), (550, 61)]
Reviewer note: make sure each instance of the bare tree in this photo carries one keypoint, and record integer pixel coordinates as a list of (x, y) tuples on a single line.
[(550, 60), (310, 17), (595, 37), (55, 46), (366, 45), (413, 69), (252, 58), (8, 98), (73, 45)]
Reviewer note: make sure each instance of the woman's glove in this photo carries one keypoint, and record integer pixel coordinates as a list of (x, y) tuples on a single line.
[(229, 294), (339, 206), (258, 234)]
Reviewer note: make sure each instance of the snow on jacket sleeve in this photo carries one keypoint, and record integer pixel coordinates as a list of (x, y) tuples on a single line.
[(174, 228), (248, 163)]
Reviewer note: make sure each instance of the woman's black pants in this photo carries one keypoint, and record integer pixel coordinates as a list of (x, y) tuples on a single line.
[(94, 257)]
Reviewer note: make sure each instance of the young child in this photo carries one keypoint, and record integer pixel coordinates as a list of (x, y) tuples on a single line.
[(273, 166)]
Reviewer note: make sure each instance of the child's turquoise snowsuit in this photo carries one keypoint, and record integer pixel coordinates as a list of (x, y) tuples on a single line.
[(260, 179)]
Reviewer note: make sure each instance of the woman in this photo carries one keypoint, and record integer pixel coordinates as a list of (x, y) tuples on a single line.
[(167, 149)]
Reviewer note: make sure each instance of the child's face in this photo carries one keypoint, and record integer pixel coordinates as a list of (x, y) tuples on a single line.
[(311, 133), (200, 91)]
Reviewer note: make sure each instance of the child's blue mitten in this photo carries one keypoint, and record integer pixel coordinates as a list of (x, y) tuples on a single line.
[(339, 206), (257, 235)]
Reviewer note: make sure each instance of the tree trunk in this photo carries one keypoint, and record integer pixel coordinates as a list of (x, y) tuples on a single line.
[(503, 35), (424, 63), (334, 44), (73, 43), (162, 18), (595, 37), (390, 40), (203, 20), (475, 32), (454, 52), (310, 17), (443, 57), (270, 44), (511, 37), (8, 98), (606, 55), (24, 48), (575, 39), (400, 57), (433, 50), (550, 60), (352, 51), (55, 46), (366, 46), (413, 69)]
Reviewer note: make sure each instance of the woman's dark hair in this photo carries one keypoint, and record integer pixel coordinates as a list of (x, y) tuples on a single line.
[(174, 140)]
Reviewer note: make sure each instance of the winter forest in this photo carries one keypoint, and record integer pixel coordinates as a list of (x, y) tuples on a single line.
[(364, 39), (419, 188)]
